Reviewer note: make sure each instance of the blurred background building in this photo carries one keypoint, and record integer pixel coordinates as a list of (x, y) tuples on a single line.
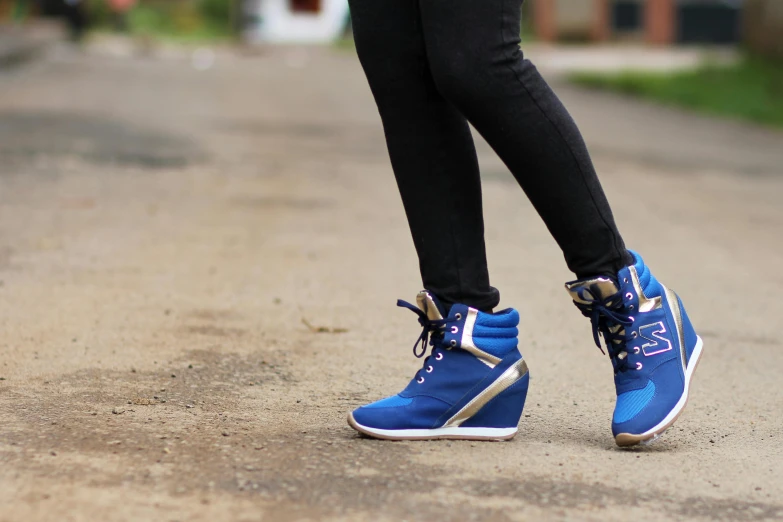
[(285, 21), (653, 21), (660, 22), (763, 26), (756, 23)]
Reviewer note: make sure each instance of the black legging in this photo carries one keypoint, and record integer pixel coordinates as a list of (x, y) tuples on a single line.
[(434, 65)]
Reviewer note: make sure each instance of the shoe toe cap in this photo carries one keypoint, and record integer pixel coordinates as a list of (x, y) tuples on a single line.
[(631, 403), (397, 412), (640, 410)]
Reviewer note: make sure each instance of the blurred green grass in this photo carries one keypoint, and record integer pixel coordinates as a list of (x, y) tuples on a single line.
[(751, 89)]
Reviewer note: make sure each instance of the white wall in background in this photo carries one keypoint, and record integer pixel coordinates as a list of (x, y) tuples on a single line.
[(276, 23)]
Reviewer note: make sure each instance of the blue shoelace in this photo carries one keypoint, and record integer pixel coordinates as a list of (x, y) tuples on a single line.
[(432, 331), (428, 325), (607, 321)]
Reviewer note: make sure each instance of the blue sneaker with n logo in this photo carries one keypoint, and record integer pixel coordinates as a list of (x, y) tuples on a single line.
[(651, 342), (472, 385)]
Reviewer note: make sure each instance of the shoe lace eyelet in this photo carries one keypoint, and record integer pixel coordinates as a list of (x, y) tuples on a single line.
[(429, 369), (420, 380), (636, 350), (638, 366), (458, 317), (453, 343), (632, 307), (438, 356), (629, 295), (454, 329), (625, 280), (634, 335)]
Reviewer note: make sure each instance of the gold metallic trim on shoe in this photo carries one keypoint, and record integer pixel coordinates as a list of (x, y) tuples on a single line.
[(645, 303), (427, 305), (603, 286), (674, 304), (469, 346), (506, 379)]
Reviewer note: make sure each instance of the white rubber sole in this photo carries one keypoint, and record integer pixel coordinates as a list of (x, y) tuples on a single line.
[(454, 433), (628, 439)]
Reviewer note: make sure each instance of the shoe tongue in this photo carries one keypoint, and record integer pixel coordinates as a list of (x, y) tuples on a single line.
[(430, 305), (585, 291)]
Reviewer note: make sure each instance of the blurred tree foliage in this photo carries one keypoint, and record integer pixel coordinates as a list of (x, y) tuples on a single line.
[(99, 11), (185, 19)]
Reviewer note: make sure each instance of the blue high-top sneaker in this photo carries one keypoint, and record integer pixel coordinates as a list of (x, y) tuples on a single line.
[(473, 384), (651, 342)]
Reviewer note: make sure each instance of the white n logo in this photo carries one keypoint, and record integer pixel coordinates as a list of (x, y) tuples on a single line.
[(654, 333)]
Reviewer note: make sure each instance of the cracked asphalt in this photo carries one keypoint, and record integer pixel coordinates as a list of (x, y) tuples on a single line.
[(198, 272)]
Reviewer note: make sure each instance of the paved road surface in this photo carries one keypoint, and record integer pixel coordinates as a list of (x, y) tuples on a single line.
[(197, 282)]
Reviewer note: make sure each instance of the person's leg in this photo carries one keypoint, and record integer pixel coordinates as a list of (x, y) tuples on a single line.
[(431, 151), (474, 54), (474, 382), (476, 62)]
